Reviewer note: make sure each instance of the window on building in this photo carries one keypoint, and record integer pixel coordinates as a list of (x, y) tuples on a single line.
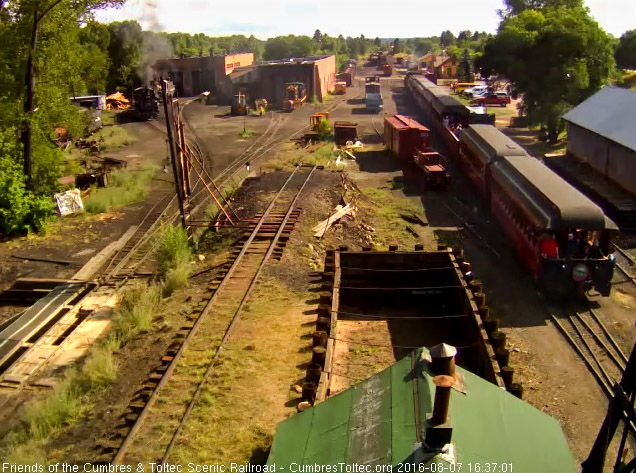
[(237, 64)]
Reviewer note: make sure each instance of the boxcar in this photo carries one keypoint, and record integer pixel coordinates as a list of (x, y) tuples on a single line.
[(404, 136)]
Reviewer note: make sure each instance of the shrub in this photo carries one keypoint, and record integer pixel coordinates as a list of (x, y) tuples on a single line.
[(124, 187), (174, 257), (135, 312)]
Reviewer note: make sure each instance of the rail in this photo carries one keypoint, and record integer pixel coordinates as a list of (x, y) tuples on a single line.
[(248, 251)]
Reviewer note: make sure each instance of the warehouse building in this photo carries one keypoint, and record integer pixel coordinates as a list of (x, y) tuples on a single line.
[(194, 75), (602, 133), (225, 75), (317, 73)]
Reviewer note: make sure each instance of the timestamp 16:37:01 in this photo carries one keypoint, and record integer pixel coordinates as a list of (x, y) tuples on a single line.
[(483, 467)]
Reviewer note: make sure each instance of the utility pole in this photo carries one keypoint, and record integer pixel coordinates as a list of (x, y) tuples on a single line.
[(174, 154)]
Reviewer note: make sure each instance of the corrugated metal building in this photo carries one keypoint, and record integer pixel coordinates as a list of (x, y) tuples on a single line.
[(602, 132), (382, 422)]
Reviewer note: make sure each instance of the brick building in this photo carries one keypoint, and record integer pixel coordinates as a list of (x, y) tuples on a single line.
[(194, 75)]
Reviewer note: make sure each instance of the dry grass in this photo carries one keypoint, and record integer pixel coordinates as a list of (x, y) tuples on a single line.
[(246, 397), (383, 207)]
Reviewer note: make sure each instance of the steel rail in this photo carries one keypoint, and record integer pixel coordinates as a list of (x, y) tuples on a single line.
[(235, 319), (121, 452)]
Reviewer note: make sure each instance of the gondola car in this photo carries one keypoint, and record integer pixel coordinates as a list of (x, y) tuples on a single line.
[(532, 204)]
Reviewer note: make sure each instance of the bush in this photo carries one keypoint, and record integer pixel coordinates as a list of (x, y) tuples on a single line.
[(20, 210), (174, 257), (135, 313)]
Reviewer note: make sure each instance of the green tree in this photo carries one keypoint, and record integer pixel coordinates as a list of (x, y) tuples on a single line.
[(556, 57), (447, 38), (464, 35), (317, 36), (515, 7), (377, 42), (125, 51), (398, 47), (465, 69), (626, 51)]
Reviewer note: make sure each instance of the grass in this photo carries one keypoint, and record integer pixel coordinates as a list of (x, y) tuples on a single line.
[(174, 257), (292, 156), (114, 136), (240, 410), (70, 399), (124, 187), (384, 207), (364, 350), (247, 133)]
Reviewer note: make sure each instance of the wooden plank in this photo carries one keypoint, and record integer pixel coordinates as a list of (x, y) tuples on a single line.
[(87, 272)]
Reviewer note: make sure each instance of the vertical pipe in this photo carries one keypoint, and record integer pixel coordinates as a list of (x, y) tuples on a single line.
[(443, 385)]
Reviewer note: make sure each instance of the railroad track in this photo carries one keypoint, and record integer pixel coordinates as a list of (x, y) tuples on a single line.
[(589, 337), (624, 262), (191, 358)]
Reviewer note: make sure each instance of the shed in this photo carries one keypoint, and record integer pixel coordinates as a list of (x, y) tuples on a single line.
[(602, 132), (382, 422)]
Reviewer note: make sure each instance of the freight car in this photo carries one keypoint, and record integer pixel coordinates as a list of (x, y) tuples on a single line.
[(561, 236), (404, 136)]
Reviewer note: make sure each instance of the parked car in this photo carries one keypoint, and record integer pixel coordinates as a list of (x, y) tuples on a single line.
[(498, 98), (474, 90)]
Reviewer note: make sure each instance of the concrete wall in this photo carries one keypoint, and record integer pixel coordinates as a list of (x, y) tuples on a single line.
[(609, 159)]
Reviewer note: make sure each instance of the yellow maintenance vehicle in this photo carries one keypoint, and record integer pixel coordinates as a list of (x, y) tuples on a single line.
[(315, 121), (340, 88), (295, 96)]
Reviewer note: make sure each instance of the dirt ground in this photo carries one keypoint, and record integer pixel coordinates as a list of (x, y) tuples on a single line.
[(270, 350)]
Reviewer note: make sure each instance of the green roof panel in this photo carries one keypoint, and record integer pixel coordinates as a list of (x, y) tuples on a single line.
[(374, 423)]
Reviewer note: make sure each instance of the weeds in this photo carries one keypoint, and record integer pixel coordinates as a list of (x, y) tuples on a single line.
[(69, 399), (174, 257), (134, 314), (247, 133), (124, 187), (113, 137)]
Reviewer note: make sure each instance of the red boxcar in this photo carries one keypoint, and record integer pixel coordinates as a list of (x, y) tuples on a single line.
[(404, 136)]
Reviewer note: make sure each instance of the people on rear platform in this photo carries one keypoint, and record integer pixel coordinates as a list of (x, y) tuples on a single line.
[(549, 247)]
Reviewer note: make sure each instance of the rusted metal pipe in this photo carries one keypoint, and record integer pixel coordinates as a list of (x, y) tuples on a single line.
[(443, 359), (443, 385)]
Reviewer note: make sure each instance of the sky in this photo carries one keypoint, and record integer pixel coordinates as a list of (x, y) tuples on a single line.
[(381, 18)]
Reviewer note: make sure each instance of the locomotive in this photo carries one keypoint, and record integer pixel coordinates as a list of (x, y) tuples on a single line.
[(559, 235)]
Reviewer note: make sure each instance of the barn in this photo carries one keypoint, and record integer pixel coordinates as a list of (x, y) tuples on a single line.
[(602, 133)]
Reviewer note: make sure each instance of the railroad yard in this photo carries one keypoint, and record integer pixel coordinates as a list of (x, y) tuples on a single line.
[(229, 356)]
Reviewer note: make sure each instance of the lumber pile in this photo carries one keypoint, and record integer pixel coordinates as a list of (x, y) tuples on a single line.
[(340, 212), (117, 101)]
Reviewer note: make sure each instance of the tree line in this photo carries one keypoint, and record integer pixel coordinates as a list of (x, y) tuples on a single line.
[(552, 50)]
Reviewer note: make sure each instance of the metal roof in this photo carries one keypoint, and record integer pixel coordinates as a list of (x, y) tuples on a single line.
[(374, 423), (488, 141), (446, 104), (555, 204), (609, 113)]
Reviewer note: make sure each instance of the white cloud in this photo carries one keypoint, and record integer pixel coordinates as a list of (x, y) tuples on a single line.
[(403, 18)]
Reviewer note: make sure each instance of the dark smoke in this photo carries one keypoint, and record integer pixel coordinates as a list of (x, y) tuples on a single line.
[(155, 45)]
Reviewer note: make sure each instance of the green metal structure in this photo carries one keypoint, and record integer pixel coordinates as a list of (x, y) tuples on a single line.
[(375, 423)]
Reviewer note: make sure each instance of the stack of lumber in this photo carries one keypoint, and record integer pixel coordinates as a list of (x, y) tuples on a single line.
[(340, 212)]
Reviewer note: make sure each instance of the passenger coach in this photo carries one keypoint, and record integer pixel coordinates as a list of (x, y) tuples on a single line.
[(560, 235)]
